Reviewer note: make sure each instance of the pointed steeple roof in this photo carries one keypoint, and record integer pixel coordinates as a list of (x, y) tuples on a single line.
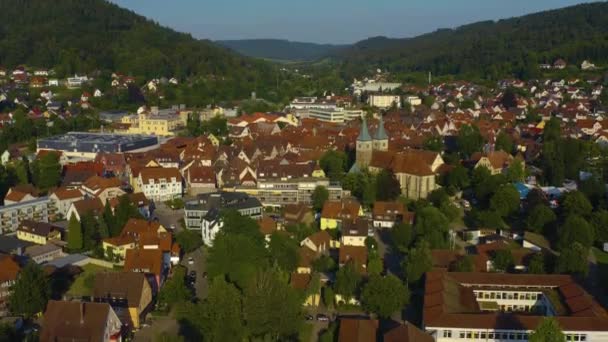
[(364, 133), (381, 132)]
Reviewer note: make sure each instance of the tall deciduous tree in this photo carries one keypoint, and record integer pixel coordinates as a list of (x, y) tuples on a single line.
[(469, 140), (222, 313), (504, 142), (432, 226), (418, 262), (402, 236), (548, 331), (30, 292), (387, 186), (347, 281), (539, 218), (47, 171), (319, 196), (505, 201), (575, 229), (573, 259), (384, 295), (74, 234), (272, 308), (175, 291), (334, 164)]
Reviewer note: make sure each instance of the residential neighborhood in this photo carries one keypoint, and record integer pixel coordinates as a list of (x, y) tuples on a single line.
[(333, 202)]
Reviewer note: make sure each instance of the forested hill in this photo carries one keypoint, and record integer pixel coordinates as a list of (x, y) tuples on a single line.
[(511, 46), (278, 49), (85, 35)]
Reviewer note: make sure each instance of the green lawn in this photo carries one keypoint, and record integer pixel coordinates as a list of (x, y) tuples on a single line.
[(83, 284), (305, 333), (601, 256)]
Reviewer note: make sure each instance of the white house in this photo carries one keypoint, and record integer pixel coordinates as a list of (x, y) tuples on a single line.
[(160, 184), (62, 199), (384, 100)]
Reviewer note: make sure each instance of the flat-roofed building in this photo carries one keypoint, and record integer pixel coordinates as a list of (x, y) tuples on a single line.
[(508, 307), (12, 215), (278, 192), (336, 115), (86, 145)]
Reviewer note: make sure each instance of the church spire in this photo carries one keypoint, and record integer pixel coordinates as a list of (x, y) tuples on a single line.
[(381, 132), (364, 132)]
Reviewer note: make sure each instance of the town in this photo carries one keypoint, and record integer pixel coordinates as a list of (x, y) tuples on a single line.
[(298, 203), (457, 211)]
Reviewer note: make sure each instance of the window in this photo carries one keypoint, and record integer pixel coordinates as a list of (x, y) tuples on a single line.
[(447, 333)]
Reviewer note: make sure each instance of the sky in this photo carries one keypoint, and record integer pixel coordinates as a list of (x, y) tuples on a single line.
[(327, 21)]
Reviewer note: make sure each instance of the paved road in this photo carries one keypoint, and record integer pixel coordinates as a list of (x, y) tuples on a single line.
[(167, 216), (199, 257)]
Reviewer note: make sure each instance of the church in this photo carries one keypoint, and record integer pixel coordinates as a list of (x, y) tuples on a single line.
[(416, 170)]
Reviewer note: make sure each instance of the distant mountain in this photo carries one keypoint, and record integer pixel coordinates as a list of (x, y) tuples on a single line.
[(278, 49), (75, 36), (489, 49)]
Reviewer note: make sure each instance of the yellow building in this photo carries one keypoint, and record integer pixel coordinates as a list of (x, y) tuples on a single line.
[(130, 287), (309, 285), (335, 211), (152, 124), (38, 232)]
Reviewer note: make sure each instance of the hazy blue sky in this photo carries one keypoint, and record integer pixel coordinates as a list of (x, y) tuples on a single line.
[(327, 21)]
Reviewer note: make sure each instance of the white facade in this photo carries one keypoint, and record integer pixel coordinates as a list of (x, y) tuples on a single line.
[(161, 189), (209, 231), (337, 115), (384, 101)]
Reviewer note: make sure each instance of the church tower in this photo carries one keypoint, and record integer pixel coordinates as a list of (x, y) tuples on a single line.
[(364, 147), (380, 142)]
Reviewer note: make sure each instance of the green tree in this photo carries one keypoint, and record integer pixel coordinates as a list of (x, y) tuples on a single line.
[(239, 267), (539, 218), (272, 308), (30, 292), (90, 231), (387, 186), (548, 331), (319, 196), (599, 221), (433, 227), (464, 264), (375, 266), (47, 171), (324, 263), (74, 234), (458, 177), (505, 201), (283, 251), (402, 236), (504, 142), (347, 281), (384, 295), (328, 297), (417, 262), (516, 172), (469, 140), (433, 143), (503, 260), (537, 264), (125, 211), (188, 240), (576, 203), (108, 217), (575, 229), (509, 99), (334, 164), (573, 259), (223, 312), (174, 290)]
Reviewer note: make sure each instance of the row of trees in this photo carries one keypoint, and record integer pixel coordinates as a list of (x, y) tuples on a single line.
[(87, 234)]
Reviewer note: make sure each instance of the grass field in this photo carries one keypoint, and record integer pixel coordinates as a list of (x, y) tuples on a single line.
[(83, 284)]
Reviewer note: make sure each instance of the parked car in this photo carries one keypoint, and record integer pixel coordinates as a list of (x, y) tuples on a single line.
[(192, 274), (322, 318), (190, 261), (309, 317)]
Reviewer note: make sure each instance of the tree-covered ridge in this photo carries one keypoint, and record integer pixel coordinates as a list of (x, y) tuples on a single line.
[(87, 35), (513, 46), (279, 49)]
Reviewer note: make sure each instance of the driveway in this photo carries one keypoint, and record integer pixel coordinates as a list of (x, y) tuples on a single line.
[(199, 257), (167, 216)]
